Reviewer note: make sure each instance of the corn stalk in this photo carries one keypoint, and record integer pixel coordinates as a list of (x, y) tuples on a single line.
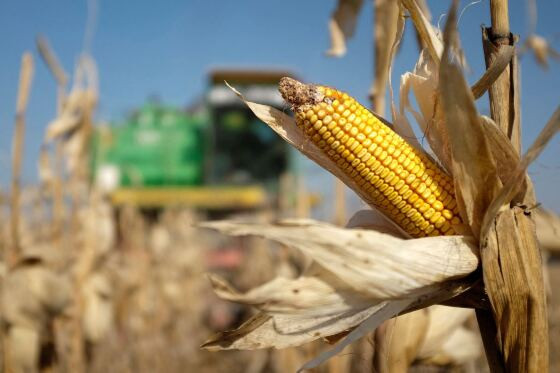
[(515, 340)]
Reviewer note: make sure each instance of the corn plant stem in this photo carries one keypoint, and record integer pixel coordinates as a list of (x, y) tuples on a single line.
[(503, 93), (26, 75), (511, 267), (13, 251)]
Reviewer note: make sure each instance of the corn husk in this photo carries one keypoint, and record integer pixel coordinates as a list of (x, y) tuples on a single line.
[(354, 283)]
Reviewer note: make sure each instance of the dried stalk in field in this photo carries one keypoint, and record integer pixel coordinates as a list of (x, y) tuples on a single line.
[(56, 185), (26, 75), (385, 26), (511, 260)]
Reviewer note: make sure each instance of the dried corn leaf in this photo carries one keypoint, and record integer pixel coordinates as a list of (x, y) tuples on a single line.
[(424, 81), (281, 331), (425, 29), (317, 293), (518, 175), (389, 310), (385, 29), (473, 165), (492, 73), (400, 122), (513, 278), (342, 25), (70, 117), (500, 147), (541, 49), (375, 264), (52, 61)]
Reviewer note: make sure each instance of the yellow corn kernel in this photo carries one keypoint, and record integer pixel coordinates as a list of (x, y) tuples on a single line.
[(392, 176)]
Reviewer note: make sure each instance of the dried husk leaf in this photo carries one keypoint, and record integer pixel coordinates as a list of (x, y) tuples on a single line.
[(342, 25), (425, 30), (473, 165), (374, 220), (373, 263), (389, 310), (400, 122), (281, 331), (517, 176), (424, 81), (315, 294)]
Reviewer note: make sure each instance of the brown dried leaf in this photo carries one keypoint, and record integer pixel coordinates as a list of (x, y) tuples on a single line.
[(501, 61), (541, 49), (424, 82), (512, 269), (515, 182), (473, 166), (342, 25), (52, 61), (385, 30), (425, 30)]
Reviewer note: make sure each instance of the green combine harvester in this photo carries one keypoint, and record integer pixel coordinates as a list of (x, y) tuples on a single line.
[(217, 156)]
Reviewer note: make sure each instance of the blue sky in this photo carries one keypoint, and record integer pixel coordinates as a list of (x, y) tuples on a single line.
[(167, 47)]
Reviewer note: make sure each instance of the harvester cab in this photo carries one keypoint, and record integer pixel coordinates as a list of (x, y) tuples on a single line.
[(217, 156)]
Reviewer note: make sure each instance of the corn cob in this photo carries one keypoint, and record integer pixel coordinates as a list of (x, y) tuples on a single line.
[(399, 180)]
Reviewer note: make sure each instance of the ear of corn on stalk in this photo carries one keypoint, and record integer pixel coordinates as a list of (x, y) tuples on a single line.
[(401, 181)]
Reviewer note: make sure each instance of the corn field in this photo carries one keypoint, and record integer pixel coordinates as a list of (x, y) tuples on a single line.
[(450, 266)]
